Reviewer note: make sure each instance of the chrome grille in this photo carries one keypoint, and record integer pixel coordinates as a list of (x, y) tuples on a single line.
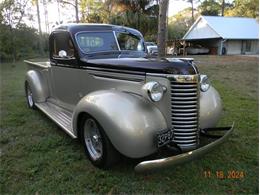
[(184, 113)]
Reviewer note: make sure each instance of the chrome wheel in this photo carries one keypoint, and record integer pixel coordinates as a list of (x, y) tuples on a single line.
[(30, 97), (93, 139)]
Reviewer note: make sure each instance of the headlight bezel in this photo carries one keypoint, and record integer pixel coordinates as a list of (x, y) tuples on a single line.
[(154, 91), (204, 83)]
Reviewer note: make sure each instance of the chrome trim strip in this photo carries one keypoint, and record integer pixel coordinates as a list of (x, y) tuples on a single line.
[(191, 122), (116, 75), (192, 141), (184, 106), (117, 78), (116, 41), (184, 90), (184, 86), (183, 98), (192, 64), (113, 70), (183, 114), (184, 118), (180, 137), (38, 64), (185, 94), (187, 126), (185, 130), (177, 111), (185, 102), (177, 78), (184, 134)]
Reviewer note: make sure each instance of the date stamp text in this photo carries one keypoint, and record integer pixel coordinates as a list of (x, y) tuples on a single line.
[(220, 174)]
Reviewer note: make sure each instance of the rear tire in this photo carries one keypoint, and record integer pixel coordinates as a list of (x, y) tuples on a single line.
[(29, 96), (97, 145)]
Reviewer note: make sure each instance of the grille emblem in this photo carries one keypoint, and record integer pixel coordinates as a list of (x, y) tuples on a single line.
[(186, 78)]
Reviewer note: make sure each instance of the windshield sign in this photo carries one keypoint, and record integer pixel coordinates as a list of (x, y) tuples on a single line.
[(96, 41)]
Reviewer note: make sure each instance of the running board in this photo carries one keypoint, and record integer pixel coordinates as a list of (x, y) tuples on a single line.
[(60, 116)]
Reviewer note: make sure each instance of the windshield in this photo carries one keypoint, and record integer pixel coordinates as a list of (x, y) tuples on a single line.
[(129, 41), (90, 42), (96, 41)]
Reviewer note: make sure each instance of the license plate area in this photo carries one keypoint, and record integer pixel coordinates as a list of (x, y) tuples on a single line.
[(164, 137)]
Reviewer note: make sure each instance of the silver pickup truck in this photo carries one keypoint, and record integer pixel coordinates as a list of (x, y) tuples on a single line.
[(101, 87)]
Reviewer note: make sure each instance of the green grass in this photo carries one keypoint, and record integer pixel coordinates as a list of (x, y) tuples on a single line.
[(38, 157)]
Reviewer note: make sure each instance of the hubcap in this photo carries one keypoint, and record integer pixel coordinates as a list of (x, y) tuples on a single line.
[(93, 139), (29, 96)]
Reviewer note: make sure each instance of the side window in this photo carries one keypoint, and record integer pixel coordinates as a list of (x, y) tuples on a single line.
[(129, 42), (62, 46)]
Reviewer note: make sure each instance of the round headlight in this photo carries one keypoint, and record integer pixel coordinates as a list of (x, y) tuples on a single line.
[(154, 90), (204, 83)]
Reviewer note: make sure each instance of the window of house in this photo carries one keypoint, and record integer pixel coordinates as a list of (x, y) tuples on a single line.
[(248, 46)]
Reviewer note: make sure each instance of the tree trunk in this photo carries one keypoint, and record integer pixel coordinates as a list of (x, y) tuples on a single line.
[(39, 25), (12, 32), (58, 5), (39, 18), (162, 27), (46, 16), (223, 8), (192, 11), (77, 11)]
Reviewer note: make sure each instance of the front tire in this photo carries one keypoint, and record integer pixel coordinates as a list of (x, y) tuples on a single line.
[(29, 96), (97, 145)]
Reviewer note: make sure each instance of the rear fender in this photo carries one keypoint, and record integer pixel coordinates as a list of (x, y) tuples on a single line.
[(38, 84), (129, 121)]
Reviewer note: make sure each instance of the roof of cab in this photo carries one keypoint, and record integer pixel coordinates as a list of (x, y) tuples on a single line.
[(73, 26), (76, 27)]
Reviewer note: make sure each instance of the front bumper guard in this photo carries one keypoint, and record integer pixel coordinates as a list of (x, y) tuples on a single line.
[(150, 165)]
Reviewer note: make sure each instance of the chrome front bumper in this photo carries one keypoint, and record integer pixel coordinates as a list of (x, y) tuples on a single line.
[(150, 165)]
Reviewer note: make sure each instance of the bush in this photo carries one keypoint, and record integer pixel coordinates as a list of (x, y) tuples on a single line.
[(21, 43)]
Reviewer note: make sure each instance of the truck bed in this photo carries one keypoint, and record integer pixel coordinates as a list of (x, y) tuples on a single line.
[(38, 62)]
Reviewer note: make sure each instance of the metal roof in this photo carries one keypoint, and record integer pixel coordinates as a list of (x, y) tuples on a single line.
[(223, 27)]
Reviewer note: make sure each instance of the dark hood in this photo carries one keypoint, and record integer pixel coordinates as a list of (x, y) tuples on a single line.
[(148, 65)]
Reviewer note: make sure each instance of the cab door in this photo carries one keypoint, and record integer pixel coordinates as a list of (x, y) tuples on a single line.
[(64, 70)]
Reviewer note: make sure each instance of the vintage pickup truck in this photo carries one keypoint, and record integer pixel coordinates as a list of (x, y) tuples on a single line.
[(101, 86)]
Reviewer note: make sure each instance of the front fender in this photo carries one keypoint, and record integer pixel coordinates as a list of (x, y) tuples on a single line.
[(210, 108), (128, 120), (38, 84)]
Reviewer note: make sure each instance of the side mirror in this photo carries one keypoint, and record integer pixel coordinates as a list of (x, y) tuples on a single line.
[(62, 54)]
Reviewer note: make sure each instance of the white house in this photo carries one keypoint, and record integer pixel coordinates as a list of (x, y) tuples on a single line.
[(225, 35)]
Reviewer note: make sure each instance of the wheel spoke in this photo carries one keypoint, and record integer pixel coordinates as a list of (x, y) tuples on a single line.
[(93, 139), (30, 96)]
